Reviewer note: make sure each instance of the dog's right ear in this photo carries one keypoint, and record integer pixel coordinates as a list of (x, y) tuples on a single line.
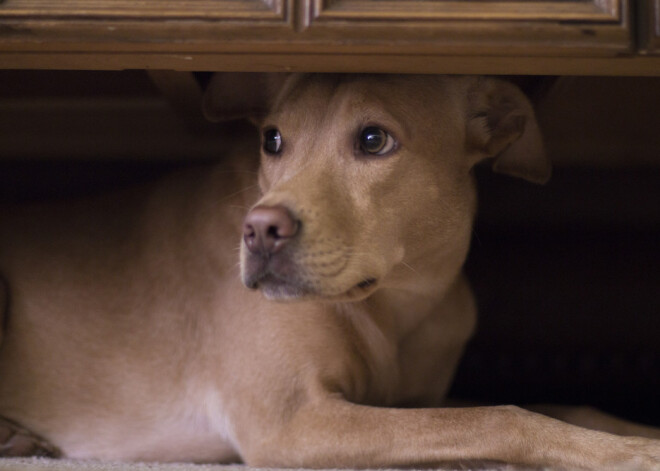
[(502, 126), (240, 95)]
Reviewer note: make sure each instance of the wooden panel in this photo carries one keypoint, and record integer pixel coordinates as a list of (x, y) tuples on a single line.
[(93, 26), (162, 9), (572, 10), (574, 27)]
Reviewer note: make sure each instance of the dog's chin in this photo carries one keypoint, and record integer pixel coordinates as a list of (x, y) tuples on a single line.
[(278, 289)]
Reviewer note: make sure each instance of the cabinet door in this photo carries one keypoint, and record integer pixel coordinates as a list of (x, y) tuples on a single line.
[(479, 27), (652, 20), (146, 10), (149, 25)]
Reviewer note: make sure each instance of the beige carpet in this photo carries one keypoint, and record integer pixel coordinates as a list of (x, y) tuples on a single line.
[(44, 464)]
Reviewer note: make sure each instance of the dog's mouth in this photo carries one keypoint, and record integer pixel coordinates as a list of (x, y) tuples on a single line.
[(277, 287), (279, 276), (366, 284), (361, 291)]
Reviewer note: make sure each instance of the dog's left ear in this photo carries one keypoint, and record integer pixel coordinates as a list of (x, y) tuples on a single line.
[(501, 125), (240, 95)]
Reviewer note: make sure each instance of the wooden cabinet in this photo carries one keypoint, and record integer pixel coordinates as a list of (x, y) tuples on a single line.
[(466, 36)]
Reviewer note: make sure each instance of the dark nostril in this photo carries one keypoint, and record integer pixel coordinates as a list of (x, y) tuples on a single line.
[(274, 231), (268, 228)]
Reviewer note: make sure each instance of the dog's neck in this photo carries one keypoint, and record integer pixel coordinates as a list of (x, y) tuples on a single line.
[(401, 310)]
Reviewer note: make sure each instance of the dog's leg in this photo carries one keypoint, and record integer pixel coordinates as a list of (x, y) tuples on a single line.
[(594, 419), (335, 433), (14, 439), (17, 441)]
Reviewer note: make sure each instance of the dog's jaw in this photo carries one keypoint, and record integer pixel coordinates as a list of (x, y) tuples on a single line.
[(276, 288), (280, 278), (296, 273), (276, 275), (292, 285)]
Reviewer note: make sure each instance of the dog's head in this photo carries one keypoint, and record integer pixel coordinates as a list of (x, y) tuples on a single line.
[(366, 180)]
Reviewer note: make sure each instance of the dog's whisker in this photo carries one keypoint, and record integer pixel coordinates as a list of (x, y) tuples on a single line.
[(243, 190), (238, 206), (248, 172), (475, 237), (236, 172), (407, 265)]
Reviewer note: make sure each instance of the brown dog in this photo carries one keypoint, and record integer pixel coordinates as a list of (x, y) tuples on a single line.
[(129, 335)]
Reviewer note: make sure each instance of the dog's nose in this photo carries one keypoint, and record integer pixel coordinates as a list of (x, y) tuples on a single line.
[(268, 228)]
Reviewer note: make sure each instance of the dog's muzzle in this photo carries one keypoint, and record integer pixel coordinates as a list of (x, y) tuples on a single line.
[(272, 265), (268, 231)]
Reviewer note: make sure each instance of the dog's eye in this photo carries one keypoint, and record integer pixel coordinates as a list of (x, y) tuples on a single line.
[(272, 141), (375, 141)]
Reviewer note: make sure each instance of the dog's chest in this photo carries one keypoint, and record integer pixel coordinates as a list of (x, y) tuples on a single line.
[(191, 427), (202, 431)]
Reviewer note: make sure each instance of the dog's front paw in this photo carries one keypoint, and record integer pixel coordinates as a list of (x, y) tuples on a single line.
[(16, 441)]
